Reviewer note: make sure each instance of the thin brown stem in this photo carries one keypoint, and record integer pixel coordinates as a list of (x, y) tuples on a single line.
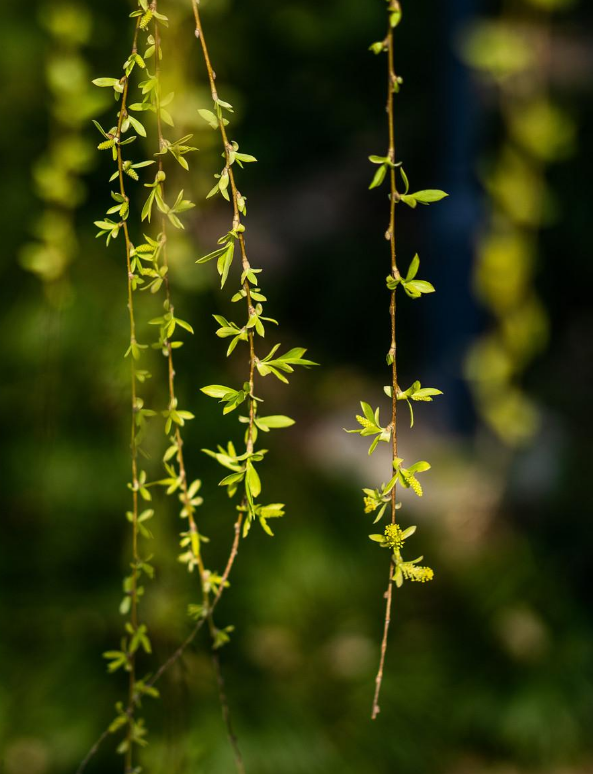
[(189, 508), (179, 651), (226, 714), (240, 229), (93, 751), (237, 224), (128, 758), (209, 606), (176, 655), (393, 355)]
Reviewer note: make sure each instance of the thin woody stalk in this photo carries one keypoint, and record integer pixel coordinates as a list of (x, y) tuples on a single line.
[(151, 277), (186, 497), (148, 270), (380, 499), (252, 408), (136, 636), (138, 273), (174, 657), (237, 225), (147, 266), (128, 758), (393, 356), (243, 466)]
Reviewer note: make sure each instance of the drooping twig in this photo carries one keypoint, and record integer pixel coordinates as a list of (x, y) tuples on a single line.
[(384, 497), (393, 354), (128, 758), (178, 652)]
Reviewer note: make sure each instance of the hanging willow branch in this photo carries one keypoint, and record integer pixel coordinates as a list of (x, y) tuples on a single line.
[(243, 469), (243, 466), (393, 536), (147, 687), (209, 581), (148, 269), (136, 636)]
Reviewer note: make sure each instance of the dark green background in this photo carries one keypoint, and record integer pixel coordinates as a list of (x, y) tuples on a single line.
[(490, 666)]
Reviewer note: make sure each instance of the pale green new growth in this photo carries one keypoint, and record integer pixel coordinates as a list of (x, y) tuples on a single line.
[(244, 477), (371, 425), (378, 500), (148, 269), (415, 392)]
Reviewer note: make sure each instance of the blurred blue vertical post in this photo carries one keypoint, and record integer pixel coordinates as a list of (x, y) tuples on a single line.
[(453, 317)]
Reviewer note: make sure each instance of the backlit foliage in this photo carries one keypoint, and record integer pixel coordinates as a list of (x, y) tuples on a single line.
[(141, 214), (378, 501)]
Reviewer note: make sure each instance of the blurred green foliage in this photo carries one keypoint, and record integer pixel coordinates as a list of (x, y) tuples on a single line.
[(515, 53), (492, 668)]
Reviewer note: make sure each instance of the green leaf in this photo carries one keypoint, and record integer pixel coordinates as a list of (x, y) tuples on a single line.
[(368, 412), (167, 118), (106, 82), (226, 105), (233, 478), (252, 479), (425, 393), (414, 266), (379, 177), (225, 262), (411, 412), (395, 17), (215, 254), (184, 325), (419, 467), (415, 288), (429, 196), (139, 128), (246, 158), (409, 200), (217, 391), (273, 422), (405, 179), (295, 356), (100, 128), (271, 511), (209, 117)]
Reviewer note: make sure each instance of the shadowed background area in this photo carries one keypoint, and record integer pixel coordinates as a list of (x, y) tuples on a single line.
[(490, 667)]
